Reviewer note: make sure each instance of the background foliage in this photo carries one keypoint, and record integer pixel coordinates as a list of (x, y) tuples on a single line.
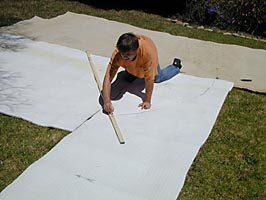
[(238, 15)]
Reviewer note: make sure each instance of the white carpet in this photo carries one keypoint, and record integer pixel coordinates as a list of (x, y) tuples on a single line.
[(53, 86), (47, 84)]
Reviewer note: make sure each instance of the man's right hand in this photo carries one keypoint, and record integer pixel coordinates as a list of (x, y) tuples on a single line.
[(108, 107)]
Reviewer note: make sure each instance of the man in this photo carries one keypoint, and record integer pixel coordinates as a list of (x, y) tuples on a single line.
[(138, 55)]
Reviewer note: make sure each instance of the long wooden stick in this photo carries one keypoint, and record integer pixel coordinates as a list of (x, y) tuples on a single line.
[(111, 116)]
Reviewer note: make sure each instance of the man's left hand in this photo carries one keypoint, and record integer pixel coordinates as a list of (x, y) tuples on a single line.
[(145, 105)]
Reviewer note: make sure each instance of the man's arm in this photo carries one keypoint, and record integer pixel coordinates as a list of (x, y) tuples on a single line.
[(109, 75), (107, 105), (146, 104)]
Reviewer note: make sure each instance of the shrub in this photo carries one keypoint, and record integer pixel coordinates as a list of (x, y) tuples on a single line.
[(238, 15)]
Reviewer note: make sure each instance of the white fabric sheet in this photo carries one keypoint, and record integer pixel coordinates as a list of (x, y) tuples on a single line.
[(161, 143), (47, 84)]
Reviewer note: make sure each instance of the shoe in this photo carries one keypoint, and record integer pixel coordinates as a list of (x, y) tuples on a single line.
[(177, 63)]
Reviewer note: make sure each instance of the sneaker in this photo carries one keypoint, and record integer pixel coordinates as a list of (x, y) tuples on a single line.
[(177, 63)]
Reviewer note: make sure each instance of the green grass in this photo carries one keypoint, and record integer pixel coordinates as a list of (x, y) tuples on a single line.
[(22, 143), (230, 165), (16, 10)]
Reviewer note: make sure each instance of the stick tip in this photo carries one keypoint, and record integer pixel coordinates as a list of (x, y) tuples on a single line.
[(123, 142)]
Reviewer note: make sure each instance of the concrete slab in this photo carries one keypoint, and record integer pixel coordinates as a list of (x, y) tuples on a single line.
[(245, 67)]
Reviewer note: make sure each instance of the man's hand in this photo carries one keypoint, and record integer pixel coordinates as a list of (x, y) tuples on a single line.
[(108, 107), (148, 93), (145, 105)]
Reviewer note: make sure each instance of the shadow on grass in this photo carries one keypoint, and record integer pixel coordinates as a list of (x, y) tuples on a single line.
[(7, 20), (164, 8)]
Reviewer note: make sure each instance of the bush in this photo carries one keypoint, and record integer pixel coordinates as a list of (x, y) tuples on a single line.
[(238, 15)]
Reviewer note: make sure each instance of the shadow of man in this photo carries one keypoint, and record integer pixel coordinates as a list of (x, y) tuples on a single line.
[(123, 83)]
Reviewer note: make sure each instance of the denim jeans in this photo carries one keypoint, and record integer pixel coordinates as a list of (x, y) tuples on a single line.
[(166, 73)]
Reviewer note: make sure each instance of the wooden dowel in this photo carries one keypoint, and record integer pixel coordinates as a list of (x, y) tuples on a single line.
[(111, 116)]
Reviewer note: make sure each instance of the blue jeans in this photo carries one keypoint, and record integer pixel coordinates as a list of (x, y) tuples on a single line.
[(166, 73)]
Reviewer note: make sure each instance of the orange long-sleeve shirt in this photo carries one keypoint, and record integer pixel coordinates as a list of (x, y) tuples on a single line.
[(145, 64)]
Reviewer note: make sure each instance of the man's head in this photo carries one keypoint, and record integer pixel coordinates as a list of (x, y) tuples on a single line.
[(127, 46)]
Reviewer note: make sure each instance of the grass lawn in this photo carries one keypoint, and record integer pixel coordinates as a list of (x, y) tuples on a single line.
[(230, 165)]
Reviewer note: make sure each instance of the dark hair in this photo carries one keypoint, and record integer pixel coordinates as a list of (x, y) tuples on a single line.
[(127, 42)]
